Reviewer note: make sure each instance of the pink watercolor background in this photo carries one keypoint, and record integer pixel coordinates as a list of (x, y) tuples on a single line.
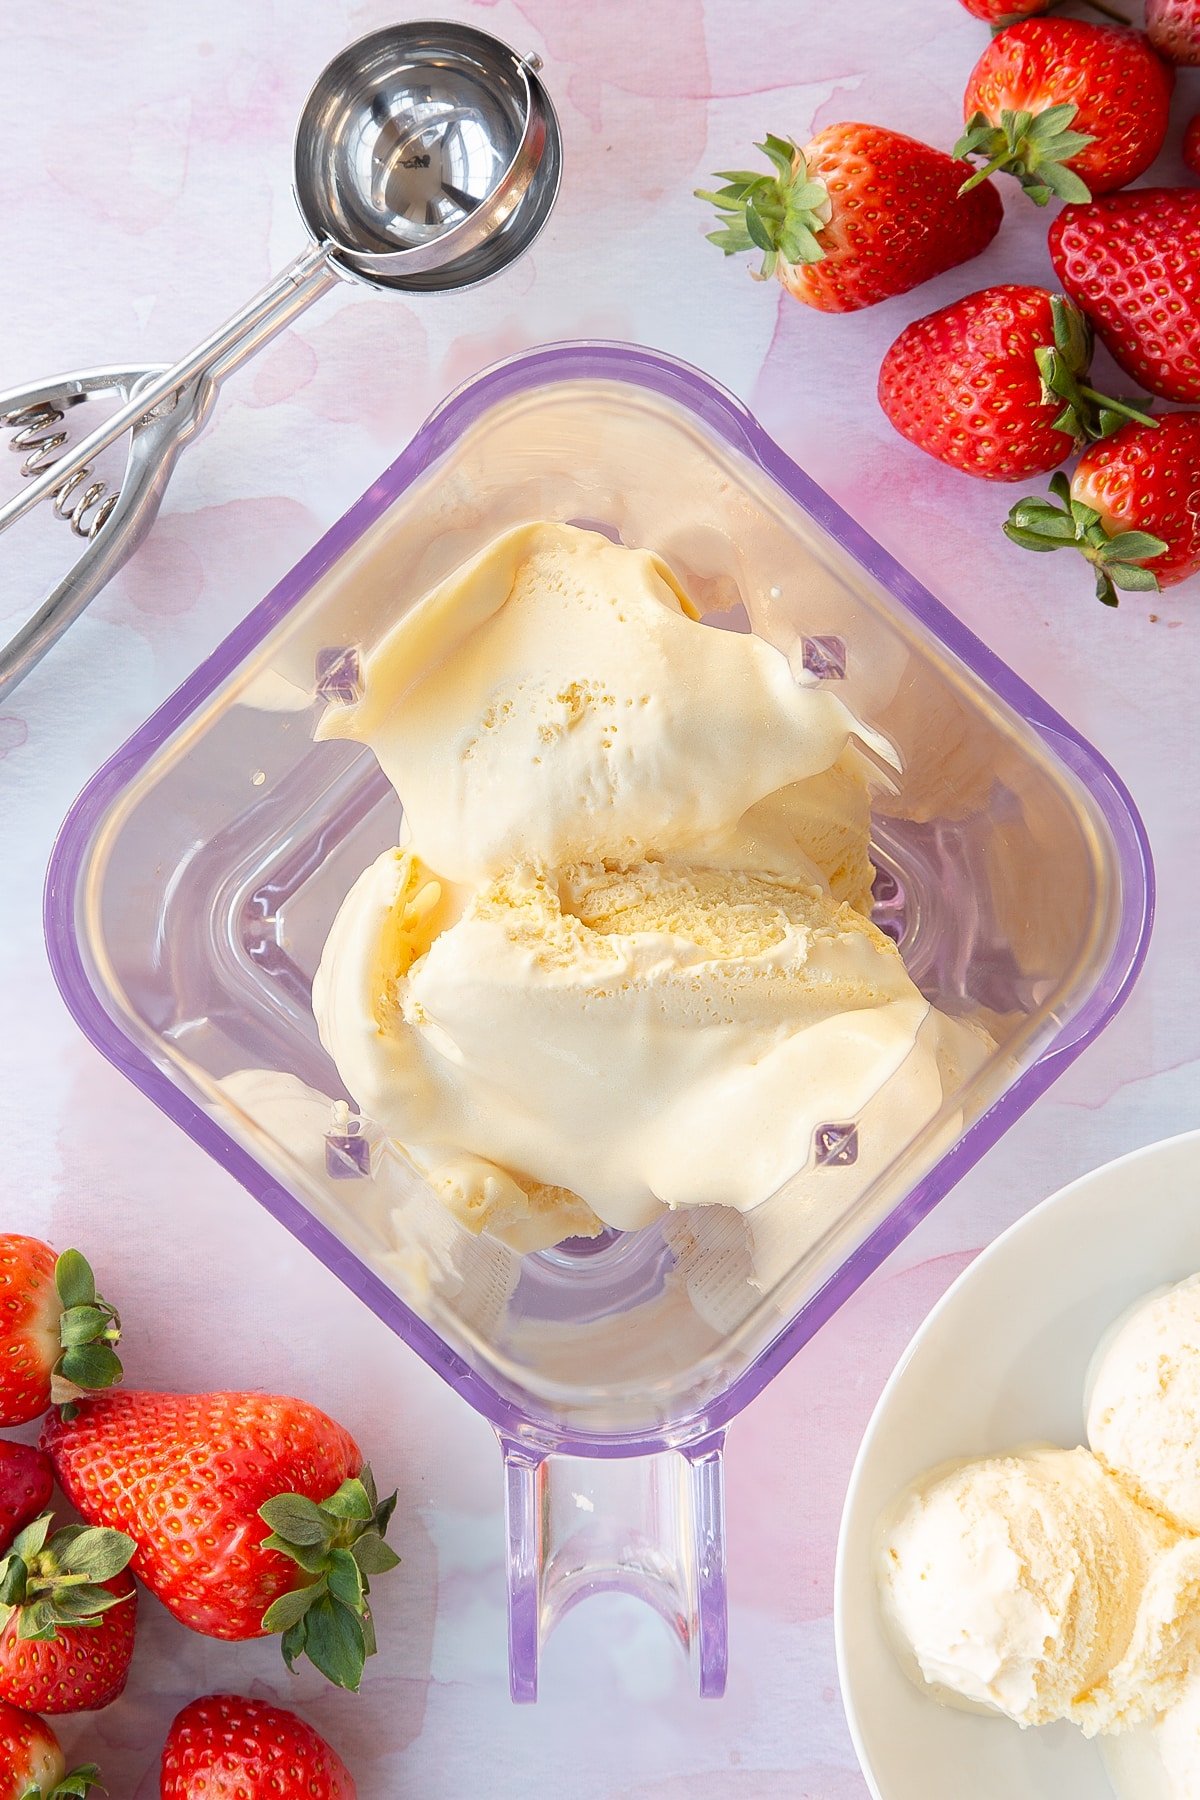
[(144, 184)]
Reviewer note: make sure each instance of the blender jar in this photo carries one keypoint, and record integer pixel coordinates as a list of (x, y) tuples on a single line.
[(195, 879)]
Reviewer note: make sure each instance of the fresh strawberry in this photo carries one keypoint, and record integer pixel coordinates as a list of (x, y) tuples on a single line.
[(857, 216), (226, 1748), (1173, 27), (1068, 108), (32, 1765), (999, 13), (56, 1336), (1131, 262), (994, 384), (1191, 145), (191, 1477), (1005, 12), (1130, 503), (26, 1484), (68, 1613)]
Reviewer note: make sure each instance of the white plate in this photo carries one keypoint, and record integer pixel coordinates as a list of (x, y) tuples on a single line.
[(999, 1362)]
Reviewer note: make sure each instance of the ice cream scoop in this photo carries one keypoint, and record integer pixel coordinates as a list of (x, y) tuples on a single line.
[(1034, 1586), (619, 962), (554, 702), (1161, 1760), (653, 1036), (1144, 1407)]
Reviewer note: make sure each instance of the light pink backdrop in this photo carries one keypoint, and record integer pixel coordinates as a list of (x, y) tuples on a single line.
[(144, 189)]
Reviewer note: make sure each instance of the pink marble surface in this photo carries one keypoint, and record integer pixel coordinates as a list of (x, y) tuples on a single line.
[(144, 187)]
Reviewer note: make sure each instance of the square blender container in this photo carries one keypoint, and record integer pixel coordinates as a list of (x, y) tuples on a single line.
[(194, 881)]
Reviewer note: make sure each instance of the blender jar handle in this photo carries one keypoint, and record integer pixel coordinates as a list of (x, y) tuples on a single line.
[(650, 1525)]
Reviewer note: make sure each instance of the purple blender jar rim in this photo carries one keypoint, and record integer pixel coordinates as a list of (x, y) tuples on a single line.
[(729, 420)]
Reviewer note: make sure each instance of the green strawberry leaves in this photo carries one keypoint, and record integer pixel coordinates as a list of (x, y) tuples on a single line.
[(780, 214), (1037, 524), (89, 1330), (1086, 414), (1034, 147), (75, 1786), (338, 1544), (53, 1582)]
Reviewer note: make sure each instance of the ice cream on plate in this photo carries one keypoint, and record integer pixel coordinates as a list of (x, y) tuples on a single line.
[(1065, 1584), (1144, 1406), (1161, 1760), (1032, 1585), (620, 961), (1144, 1423)]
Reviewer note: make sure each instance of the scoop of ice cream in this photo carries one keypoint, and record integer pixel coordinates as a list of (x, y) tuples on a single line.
[(1164, 1649), (818, 830), (1144, 1409), (578, 1032), (1160, 1761), (556, 701), (1034, 1586), (1178, 1740)]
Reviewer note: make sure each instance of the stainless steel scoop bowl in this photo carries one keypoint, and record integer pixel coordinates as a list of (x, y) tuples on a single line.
[(428, 158)]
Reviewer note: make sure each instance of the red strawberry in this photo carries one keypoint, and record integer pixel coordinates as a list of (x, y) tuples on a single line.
[(1008, 12), (32, 1765), (1191, 145), (857, 216), (26, 1484), (1174, 29), (68, 1613), (1068, 108), (226, 1748), (1130, 503), (191, 1477), (1005, 12), (994, 384), (1132, 263), (56, 1336)]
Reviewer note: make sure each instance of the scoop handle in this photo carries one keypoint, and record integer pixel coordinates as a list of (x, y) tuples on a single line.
[(650, 1525), (260, 319)]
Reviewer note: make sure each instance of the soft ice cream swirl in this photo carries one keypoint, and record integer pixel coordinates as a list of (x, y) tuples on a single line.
[(619, 963)]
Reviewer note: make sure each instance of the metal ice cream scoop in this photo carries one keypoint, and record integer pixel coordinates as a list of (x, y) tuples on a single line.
[(427, 158)]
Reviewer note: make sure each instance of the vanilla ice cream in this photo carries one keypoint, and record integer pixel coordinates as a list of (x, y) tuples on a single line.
[(619, 961), (657, 1035), (553, 702), (1144, 1407), (1034, 1586), (1161, 1760)]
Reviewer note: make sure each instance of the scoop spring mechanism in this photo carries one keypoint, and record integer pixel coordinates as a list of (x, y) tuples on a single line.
[(35, 431)]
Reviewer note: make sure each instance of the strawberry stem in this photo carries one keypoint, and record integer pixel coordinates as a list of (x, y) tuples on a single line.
[(780, 214), (75, 1786), (59, 1581), (338, 1545), (1036, 148), (1123, 407), (89, 1331), (999, 161), (1087, 413), (1118, 559)]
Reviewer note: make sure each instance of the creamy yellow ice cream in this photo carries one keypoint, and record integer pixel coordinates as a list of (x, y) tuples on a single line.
[(1144, 1407), (619, 962), (1161, 1761), (1035, 1587), (650, 1036), (554, 702)]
